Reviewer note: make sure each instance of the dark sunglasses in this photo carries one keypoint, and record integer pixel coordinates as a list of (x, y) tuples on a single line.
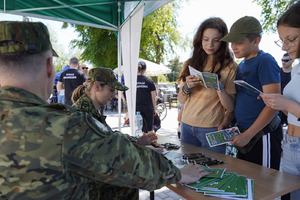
[(84, 67), (283, 60)]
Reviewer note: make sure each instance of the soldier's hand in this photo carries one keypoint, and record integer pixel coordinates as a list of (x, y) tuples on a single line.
[(147, 139), (158, 149), (192, 173)]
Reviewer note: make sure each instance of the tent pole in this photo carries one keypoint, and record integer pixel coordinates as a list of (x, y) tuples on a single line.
[(119, 64)]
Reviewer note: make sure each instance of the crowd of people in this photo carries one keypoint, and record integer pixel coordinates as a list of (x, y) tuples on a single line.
[(68, 151)]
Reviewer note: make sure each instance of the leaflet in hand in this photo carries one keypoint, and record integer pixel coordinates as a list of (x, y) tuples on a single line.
[(209, 80), (222, 136), (248, 86)]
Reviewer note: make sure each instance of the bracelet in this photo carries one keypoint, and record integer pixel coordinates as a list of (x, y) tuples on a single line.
[(186, 91), (186, 87), (222, 87)]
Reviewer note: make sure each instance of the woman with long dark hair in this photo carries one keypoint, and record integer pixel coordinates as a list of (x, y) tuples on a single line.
[(206, 110)]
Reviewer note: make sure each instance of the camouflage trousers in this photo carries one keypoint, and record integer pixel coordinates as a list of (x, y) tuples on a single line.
[(103, 191)]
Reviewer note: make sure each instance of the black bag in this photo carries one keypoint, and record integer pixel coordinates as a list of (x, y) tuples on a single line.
[(268, 129), (156, 122)]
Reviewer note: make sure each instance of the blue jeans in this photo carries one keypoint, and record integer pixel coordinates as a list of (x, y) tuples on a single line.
[(60, 98), (196, 136), (291, 159)]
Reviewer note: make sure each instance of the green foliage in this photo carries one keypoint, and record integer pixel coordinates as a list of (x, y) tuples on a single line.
[(100, 46), (160, 35), (162, 78), (271, 11), (175, 67)]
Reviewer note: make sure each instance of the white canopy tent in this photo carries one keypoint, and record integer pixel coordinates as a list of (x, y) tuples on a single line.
[(153, 69)]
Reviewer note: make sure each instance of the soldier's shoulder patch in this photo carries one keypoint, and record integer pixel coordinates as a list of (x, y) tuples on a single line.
[(84, 106)]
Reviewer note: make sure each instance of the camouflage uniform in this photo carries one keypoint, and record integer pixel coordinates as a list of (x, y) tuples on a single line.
[(51, 151), (99, 190)]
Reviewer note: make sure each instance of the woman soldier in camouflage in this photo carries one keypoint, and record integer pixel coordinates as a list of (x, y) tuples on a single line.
[(95, 92)]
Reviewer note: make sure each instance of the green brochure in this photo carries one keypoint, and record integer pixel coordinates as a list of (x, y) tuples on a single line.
[(217, 184), (214, 172), (209, 80), (222, 136)]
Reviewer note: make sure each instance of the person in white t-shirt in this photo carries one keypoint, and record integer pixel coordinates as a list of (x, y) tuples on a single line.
[(288, 27)]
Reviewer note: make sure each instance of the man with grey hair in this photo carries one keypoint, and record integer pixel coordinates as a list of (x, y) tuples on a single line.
[(70, 80), (51, 151), (84, 68)]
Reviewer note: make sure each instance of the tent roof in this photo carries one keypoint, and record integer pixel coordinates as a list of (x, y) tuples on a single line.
[(152, 69), (96, 13)]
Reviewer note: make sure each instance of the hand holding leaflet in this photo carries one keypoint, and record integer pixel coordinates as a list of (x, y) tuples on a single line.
[(209, 80), (248, 86), (221, 137)]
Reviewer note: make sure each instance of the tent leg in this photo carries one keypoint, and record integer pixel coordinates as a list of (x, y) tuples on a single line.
[(152, 195)]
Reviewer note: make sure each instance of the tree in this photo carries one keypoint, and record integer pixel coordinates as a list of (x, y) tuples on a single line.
[(100, 45), (160, 35), (159, 38), (272, 10), (175, 67)]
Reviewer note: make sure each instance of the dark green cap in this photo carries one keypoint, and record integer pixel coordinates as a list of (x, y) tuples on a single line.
[(105, 76), (241, 28), (27, 36)]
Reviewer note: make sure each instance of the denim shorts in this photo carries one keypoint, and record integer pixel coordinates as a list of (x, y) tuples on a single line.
[(291, 159), (196, 136)]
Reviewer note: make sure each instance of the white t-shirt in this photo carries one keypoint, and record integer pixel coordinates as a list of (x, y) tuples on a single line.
[(291, 91)]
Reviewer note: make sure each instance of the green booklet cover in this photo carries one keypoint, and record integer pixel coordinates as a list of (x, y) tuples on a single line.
[(221, 137), (214, 172), (218, 183), (209, 80), (201, 183)]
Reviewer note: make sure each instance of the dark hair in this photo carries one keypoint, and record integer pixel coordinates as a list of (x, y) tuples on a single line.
[(199, 58), (253, 36), (286, 54), (78, 92), (291, 18), (84, 89), (141, 66), (74, 61)]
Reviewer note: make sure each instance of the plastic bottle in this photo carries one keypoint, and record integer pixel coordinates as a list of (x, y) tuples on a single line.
[(138, 124)]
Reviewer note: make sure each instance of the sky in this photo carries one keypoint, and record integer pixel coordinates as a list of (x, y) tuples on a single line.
[(191, 14)]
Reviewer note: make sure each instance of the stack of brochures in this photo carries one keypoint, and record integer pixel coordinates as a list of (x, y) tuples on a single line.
[(224, 185)]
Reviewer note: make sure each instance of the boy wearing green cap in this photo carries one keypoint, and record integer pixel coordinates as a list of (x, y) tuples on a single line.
[(260, 141)]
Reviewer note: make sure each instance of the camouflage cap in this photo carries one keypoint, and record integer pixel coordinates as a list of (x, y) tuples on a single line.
[(30, 37), (106, 76), (241, 28)]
